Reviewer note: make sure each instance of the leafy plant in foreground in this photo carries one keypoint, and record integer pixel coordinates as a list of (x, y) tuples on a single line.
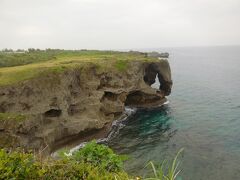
[(172, 173), (92, 162), (18, 165), (100, 156)]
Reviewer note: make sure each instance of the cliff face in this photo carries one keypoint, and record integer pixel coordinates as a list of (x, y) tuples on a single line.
[(81, 102)]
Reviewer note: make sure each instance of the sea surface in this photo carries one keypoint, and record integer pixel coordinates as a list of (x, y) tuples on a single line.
[(203, 117)]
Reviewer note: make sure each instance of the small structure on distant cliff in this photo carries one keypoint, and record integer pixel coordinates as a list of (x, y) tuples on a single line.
[(157, 54)]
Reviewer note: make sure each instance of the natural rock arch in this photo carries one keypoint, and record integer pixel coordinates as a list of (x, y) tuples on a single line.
[(154, 69)]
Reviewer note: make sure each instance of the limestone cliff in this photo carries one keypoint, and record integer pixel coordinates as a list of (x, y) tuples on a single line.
[(80, 102)]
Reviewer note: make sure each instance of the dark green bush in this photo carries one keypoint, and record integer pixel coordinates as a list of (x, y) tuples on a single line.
[(100, 156)]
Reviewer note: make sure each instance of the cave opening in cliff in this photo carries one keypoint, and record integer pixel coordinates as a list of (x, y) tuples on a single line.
[(139, 99), (133, 98), (152, 76), (53, 113)]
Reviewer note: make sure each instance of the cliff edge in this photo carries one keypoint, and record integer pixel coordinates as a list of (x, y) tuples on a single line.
[(79, 102)]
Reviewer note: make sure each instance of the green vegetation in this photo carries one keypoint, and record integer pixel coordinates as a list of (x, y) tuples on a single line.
[(12, 117), (121, 65), (91, 162), (20, 66), (19, 165), (100, 156), (15, 59), (162, 174)]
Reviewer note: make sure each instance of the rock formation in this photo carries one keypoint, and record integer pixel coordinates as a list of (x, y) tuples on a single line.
[(157, 54), (78, 103)]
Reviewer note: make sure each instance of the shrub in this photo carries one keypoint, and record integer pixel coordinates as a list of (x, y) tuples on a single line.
[(92, 162), (18, 165), (100, 156), (67, 169), (21, 166)]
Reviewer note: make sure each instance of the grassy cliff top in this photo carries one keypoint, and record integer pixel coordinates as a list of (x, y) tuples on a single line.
[(17, 67)]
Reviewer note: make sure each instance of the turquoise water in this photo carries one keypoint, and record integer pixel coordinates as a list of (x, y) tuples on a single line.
[(203, 117)]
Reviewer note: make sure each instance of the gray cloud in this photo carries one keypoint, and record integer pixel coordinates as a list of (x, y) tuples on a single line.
[(118, 24)]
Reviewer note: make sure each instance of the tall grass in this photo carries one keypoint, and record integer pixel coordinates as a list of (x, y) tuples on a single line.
[(160, 174)]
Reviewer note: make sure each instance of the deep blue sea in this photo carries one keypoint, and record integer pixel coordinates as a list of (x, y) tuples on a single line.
[(203, 117)]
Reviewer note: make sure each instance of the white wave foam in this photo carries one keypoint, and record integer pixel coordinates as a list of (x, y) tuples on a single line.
[(117, 125), (167, 102), (129, 111), (115, 128)]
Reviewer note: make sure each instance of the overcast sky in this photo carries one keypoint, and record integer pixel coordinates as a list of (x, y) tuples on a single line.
[(118, 24)]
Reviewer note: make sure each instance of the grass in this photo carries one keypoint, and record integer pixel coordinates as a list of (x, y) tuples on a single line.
[(172, 172), (121, 65), (16, 59), (15, 67), (12, 117)]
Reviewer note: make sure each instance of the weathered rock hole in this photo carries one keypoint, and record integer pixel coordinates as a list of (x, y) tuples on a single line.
[(151, 76), (109, 96), (53, 113), (138, 98), (133, 98), (154, 76)]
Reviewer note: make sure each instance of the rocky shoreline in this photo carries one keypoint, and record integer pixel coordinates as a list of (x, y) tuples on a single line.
[(106, 136)]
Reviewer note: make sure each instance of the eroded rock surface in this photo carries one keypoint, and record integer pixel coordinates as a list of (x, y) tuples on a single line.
[(63, 107)]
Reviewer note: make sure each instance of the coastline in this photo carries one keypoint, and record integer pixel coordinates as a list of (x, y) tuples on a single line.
[(104, 135)]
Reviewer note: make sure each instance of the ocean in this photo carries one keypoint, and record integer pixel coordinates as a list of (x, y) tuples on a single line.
[(202, 116)]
